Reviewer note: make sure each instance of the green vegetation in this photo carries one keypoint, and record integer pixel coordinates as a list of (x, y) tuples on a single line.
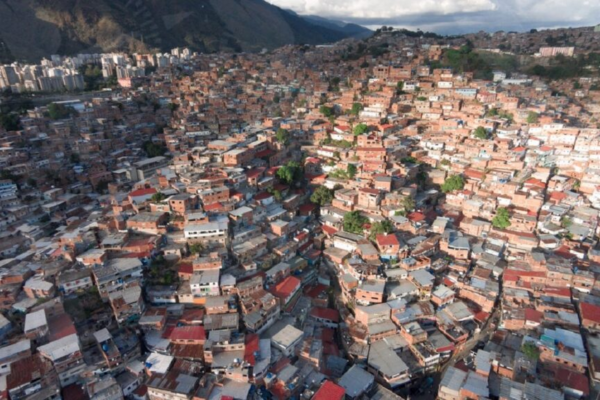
[(158, 197), (532, 117), (408, 160), (445, 162), (466, 60), (493, 112), (321, 196), (337, 143), (351, 170), (562, 67), (360, 129), (326, 111), (196, 248), (60, 111), (93, 79), (75, 158), (283, 136), (349, 173), (356, 108), (408, 203), (480, 133), (382, 227), (86, 304), (400, 88), (354, 222), (530, 351), (291, 172), (10, 121), (154, 150), (452, 183), (502, 219), (173, 107), (566, 222), (102, 186)]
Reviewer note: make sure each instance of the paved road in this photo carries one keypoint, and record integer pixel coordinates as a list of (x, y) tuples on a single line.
[(40, 100)]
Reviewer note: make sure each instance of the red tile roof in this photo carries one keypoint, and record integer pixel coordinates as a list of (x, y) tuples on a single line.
[(326, 313), (185, 268), (416, 217), (533, 315), (330, 230), (142, 192), (213, 207), (188, 333), (314, 291), (329, 391), (590, 312), (61, 326), (286, 287), (251, 348), (387, 240), (262, 196)]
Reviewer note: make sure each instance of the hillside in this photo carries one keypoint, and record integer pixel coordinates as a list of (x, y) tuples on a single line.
[(32, 29), (351, 30)]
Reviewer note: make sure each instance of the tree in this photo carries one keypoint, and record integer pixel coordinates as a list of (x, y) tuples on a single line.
[(566, 222), (400, 87), (360, 129), (502, 219), (356, 108), (283, 136), (493, 112), (351, 170), (173, 107), (382, 227), (530, 351), (408, 203), (532, 117), (354, 221), (290, 173), (10, 122), (60, 111), (102, 186), (326, 111), (408, 160), (75, 158), (196, 248), (154, 150), (452, 183), (480, 133), (445, 162), (321, 196), (158, 197)]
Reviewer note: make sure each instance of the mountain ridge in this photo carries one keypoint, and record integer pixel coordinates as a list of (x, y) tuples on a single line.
[(73, 26)]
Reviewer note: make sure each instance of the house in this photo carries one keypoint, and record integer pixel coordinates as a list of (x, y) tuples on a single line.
[(356, 382), (172, 385), (287, 339), (286, 289), (38, 288), (327, 316), (388, 245), (71, 281), (329, 391)]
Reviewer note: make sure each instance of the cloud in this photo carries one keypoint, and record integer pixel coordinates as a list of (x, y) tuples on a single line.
[(453, 16), (382, 8)]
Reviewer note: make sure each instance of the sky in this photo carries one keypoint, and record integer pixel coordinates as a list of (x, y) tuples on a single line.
[(453, 16)]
